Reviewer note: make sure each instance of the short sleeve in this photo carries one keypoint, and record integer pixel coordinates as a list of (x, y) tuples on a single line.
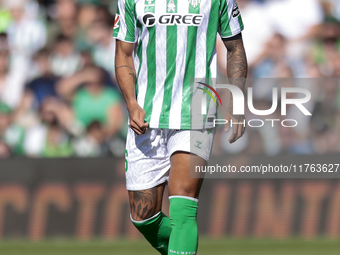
[(125, 22), (230, 21)]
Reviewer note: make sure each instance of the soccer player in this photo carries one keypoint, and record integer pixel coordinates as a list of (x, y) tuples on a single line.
[(175, 43)]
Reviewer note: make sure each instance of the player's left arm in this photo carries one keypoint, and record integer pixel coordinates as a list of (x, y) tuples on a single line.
[(237, 70)]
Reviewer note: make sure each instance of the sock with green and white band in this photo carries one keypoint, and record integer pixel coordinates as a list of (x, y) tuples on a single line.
[(156, 230), (183, 218)]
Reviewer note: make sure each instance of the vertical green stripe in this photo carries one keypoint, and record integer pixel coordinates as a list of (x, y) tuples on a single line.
[(211, 33), (224, 18), (189, 73), (139, 51), (171, 52), (240, 22), (151, 66), (129, 20)]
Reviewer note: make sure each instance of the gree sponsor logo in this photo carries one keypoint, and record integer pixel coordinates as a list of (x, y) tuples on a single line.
[(171, 19)]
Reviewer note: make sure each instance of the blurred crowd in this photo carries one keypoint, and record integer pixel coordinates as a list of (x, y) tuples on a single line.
[(297, 41), (58, 92)]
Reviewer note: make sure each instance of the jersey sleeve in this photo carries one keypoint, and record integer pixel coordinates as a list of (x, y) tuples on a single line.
[(230, 21), (125, 22)]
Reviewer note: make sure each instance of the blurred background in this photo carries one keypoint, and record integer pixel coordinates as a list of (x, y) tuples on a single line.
[(58, 92), (59, 99)]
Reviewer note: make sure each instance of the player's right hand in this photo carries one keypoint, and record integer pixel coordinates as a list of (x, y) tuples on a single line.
[(137, 115)]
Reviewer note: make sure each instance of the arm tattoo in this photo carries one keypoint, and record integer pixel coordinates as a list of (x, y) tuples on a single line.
[(237, 61), (237, 68), (124, 66), (143, 203), (134, 77)]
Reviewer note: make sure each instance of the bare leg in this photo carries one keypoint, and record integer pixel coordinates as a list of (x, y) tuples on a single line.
[(146, 203), (180, 182), (146, 215)]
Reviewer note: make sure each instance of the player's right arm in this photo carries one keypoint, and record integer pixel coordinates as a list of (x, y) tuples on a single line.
[(126, 33), (126, 78)]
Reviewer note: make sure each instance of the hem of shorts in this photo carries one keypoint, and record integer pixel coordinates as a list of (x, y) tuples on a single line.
[(179, 149), (146, 186)]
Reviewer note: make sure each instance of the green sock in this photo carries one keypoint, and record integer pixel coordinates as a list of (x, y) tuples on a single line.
[(184, 233), (156, 230)]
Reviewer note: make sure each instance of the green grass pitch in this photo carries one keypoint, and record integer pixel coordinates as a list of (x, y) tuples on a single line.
[(207, 247)]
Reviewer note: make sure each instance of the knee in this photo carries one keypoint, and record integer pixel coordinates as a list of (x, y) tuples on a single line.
[(141, 215), (184, 190), (144, 204), (148, 225)]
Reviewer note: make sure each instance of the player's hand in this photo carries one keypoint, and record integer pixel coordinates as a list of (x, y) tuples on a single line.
[(238, 129), (137, 115)]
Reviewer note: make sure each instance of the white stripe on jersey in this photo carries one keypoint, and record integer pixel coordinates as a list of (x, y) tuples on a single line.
[(122, 23), (177, 91), (201, 42), (143, 75), (201, 58), (161, 34)]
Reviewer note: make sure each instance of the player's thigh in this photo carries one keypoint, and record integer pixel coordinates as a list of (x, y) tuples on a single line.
[(183, 181), (146, 203)]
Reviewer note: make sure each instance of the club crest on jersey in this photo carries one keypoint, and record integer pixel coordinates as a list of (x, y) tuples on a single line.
[(194, 3), (149, 2), (171, 6), (116, 25)]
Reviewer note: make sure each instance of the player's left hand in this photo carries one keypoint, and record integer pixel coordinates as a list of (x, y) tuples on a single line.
[(238, 129)]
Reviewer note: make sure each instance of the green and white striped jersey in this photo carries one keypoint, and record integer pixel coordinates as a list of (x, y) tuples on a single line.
[(175, 44)]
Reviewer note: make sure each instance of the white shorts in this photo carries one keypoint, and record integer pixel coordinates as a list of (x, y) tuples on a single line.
[(148, 155)]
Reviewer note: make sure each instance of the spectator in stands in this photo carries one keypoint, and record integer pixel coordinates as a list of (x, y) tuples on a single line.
[(326, 48), (44, 85), (4, 42), (104, 47), (65, 60), (93, 143), (65, 16), (26, 35), (5, 17), (273, 54), (48, 138), (87, 16), (11, 135), (11, 82), (94, 101), (37, 90)]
